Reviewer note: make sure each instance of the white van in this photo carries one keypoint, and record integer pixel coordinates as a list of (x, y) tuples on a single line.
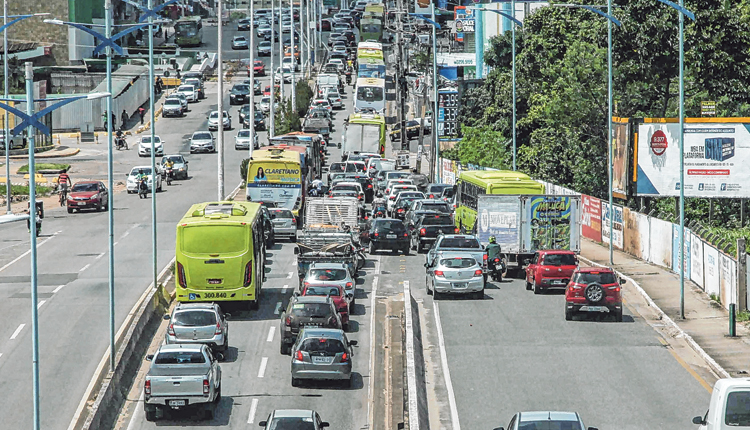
[(729, 408)]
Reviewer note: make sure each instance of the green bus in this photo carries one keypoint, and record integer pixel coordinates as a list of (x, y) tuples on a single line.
[(470, 184), (220, 253), (188, 31), (371, 24)]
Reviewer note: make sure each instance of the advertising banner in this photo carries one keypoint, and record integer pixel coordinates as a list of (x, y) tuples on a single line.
[(716, 157), (499, 216), (617, 225), (460, 13), (711, 270), (696, 261), (728, 280), (636, 234), (449, 172), (661, 243), (551, 219), (676, 266), (591, 221), (620, 142)]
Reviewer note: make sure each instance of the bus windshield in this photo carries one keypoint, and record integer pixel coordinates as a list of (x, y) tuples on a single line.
[(370, 94), (186, 28)]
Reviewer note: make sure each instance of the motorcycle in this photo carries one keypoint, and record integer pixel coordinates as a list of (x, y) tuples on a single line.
[(497, 268), (168, 173), (121, 143), (142, 189)]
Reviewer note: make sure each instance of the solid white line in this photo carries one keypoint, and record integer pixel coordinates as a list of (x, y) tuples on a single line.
[(411, 372), (283, 289), (27, 252), (263, 364), (253, 408), (84, 268), (39, 305), (278, 308), (115, 243), (134, 419), (99, 256), (59, 287), (446, 372), (289, 276), (17, 332), (372, 343), (271, 331)]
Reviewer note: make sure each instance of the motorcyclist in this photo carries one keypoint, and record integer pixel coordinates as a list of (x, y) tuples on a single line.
[(119, 139), (141, 179), (168, 166), (493, 252), (37, 215)]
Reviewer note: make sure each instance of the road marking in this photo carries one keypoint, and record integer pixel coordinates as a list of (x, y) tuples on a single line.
[(137, 411), (99, 256), (59, 287), (115, 243), (283, 289), (39, 305), (17, 332), (411, 372), (278, 308), (289, 276), (84, 268), (446, 372), (263, 364), (28, 252), (687, 367), (253, 408), (370, 387), (271, 331)]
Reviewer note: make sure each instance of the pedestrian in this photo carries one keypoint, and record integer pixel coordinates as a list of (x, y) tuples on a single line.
[(124, 118), (142, 113), (104, 119), (114, 120), (159, 85)]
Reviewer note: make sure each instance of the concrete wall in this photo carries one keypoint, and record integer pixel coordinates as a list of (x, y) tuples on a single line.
[(34, 30)]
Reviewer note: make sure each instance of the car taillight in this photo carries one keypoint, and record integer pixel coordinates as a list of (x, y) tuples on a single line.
[(359, 197), (181, 275), (206, 386), (345, 357), (455, 230), (376, 234), (147, 387), (218, 329), (248, 273), (369, 185), (392, 198), (170, 329), (288, 321), (477, 272), (432, 196), (484, 257), (348, 284), (406, 234), (400, 210), (422, 231), (439, 273), (497, 260), (299, 356)]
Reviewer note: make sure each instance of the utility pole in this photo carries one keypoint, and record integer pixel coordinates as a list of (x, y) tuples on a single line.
[(400, 79), (292, 32), (251, 74), (281, 54), (220, 102), (272, 128)]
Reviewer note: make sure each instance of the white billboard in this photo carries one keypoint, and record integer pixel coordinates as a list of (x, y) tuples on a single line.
[(716, 156)]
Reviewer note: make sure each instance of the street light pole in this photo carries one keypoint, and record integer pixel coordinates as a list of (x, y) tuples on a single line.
[(435, 140), (251, 73), (609, 135), (272, 126), (220, 103), (5, 112), (291, 49), (513, 32), (281, 53), (110, 195), (151, 107)]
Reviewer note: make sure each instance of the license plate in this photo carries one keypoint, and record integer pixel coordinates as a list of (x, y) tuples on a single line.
[(459, 284), (81, 203), (214, 281), (593, 308), (390, 236), (174, 403), (322, 360), (311, 324), (557, 282)]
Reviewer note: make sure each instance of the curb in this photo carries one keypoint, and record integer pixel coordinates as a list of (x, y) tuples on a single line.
[(664, 317), (46, 154)]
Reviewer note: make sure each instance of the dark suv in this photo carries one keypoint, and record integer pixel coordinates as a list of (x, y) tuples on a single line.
[(388, 233), (428, 227), (594, 289), (306, 311)]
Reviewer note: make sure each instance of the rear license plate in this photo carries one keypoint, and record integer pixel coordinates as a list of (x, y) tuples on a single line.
[(459, 284), (175, 403), (557, 282), (312, 324), (322, 360), (214, 281), (390, 236), (593, 308)]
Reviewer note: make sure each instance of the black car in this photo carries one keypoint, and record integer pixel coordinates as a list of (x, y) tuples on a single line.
[(240, 94), (412, 131), (402, 205), (268, 234), (244, 24), (306, 311), (428, 227), (260, 121), (434, 191), (366, 183), (349, 36), (388, 233)]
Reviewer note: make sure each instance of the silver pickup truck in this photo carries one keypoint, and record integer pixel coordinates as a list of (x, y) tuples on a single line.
[(458, 243), (180, 377)]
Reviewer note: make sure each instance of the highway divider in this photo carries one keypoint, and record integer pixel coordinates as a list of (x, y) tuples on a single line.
[(417, 414)]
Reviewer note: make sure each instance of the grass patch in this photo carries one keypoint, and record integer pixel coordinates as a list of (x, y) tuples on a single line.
[(23, 190), (743, 316), (716, 298), (44, 166)]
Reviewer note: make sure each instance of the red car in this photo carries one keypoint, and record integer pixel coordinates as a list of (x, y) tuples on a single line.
[(337, 293), (259, 68), (594, 289), (550, 269), (88, 195)]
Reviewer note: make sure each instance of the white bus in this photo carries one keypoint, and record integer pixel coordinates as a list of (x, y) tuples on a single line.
[(370, 95)]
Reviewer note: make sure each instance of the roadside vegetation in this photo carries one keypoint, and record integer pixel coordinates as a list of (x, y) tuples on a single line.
[(43, 166)]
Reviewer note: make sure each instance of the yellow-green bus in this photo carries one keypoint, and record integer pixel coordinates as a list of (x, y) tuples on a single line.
[(220, 253), (471, 184)]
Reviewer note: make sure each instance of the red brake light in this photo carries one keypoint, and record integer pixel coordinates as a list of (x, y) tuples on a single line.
[(477, 272), (206, 386), (181, 275), (406, 234), (288, 321), (345, 357), (422, 231), (170, 329), (392, 198), (400, 209), (439, 273), (376, 234), (484, 257), (147, 387), (497, 260), (455, 229), (218, 328), (348, 284), (432, 196), (300, 357), (249, 273)]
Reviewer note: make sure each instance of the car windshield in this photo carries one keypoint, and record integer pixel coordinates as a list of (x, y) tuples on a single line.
[(194, 318), (323, 291), (459, 242), (174, 159), (172, 102), (243, 133), (591, 277), (396, 175), (147, 139), (215, 114), (202, 136), (436, 220), (438, 207), (82, 188), (327, 274), (458, 262), (344, 193), (738, 409), (390, 225), (346, 188), (291, 423), (336, 167), (180, 357), (241, 88), (355, 167), (281, 214), (559, 260), (311, 310), (135, 171), (188, 88), (549, 425)]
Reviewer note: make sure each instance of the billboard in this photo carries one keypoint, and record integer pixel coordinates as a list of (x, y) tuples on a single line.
[(591, 222), (616, 225), (550, 218), (464, 19), (715, 158), (620, 140)]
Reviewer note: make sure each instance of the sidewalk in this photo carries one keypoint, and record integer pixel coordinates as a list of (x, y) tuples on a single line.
[(706, 322)]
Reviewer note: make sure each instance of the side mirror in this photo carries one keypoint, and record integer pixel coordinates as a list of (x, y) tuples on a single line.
[(324, 424), (263, 423), (622, 281), (698, 420), (350, 296), (593, 428), (296, 251), (165, 317), (527, 261), (296, 294), (354, 343), (151, 357), (227, 316), (187, 162)]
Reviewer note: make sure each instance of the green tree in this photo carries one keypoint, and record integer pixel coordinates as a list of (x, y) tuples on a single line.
[(287, 119), (304, 97)]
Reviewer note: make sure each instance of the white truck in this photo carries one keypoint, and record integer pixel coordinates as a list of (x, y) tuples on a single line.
[(729, 407), (182, 376), (524, 224), (361, 135)]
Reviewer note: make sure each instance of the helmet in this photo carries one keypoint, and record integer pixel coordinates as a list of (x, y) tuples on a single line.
[(492, 239)]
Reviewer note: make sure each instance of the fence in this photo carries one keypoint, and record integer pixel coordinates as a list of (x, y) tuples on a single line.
[(649, 239)]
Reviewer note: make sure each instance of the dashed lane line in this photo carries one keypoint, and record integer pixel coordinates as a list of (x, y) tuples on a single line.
[(17, 332)]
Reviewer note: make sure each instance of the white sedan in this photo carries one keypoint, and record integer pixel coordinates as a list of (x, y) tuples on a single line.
[(145, 146), (189, 92), (132, 184)]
